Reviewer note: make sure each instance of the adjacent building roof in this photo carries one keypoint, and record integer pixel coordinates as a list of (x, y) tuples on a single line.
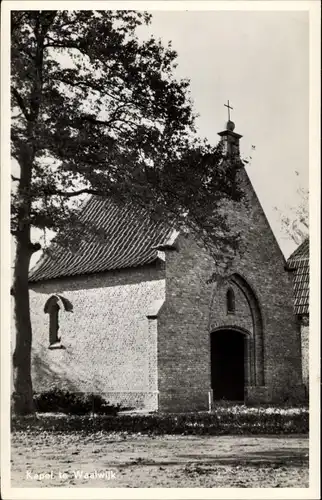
[(132, 240), (299, 262)]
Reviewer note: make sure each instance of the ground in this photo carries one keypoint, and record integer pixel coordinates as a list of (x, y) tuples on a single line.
[(138, 461)]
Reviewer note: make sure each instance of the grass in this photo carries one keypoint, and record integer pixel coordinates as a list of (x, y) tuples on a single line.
[(237, 420)]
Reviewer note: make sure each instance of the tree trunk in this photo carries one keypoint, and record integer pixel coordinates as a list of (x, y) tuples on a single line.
[(26, 152), (23, 396)]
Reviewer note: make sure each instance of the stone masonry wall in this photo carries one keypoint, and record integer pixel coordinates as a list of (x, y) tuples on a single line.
[(184, 324), (108, 339)]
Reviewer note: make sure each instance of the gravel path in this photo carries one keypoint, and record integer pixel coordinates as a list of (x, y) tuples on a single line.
[(136, 461)]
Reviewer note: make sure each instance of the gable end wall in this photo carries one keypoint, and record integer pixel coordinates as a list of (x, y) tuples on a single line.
[(184, 328)]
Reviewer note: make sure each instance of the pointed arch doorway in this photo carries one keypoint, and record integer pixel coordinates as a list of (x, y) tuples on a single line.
[(228, 364)]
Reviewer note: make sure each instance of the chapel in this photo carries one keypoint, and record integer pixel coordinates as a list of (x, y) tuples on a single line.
[(137, 319)]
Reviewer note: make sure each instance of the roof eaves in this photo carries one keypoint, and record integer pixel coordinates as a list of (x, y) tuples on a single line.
[(90, 273)]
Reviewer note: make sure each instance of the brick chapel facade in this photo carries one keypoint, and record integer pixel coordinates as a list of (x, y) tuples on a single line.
[(139, 321)]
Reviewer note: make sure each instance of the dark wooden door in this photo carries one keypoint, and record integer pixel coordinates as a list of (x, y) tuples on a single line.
[(227, 365)]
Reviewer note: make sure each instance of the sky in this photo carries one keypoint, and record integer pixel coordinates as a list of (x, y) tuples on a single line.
[(260, 62)]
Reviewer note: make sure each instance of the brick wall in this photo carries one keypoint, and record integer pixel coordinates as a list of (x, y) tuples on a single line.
[(109, 343), (185, 322), (219, 315)]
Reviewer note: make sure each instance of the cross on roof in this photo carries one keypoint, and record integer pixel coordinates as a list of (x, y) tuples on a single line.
[(229, 108)]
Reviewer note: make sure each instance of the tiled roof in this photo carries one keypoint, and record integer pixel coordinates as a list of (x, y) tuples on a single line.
[(299, 262), (303, 251), (132, 240)]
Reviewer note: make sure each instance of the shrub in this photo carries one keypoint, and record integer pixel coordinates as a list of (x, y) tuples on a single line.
[(222, 421), (62, 401)]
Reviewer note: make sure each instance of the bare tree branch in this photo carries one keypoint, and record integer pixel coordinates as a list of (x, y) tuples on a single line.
[(95, 121), (21, 103), (56, 45), (71, 194), (90, 86)]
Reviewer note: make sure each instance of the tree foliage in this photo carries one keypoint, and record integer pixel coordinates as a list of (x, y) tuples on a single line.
[(97, 111), (295, 223), (103, 114)]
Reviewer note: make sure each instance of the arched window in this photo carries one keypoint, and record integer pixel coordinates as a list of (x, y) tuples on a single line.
[(230, 301), (52, 307), (54, 324)]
